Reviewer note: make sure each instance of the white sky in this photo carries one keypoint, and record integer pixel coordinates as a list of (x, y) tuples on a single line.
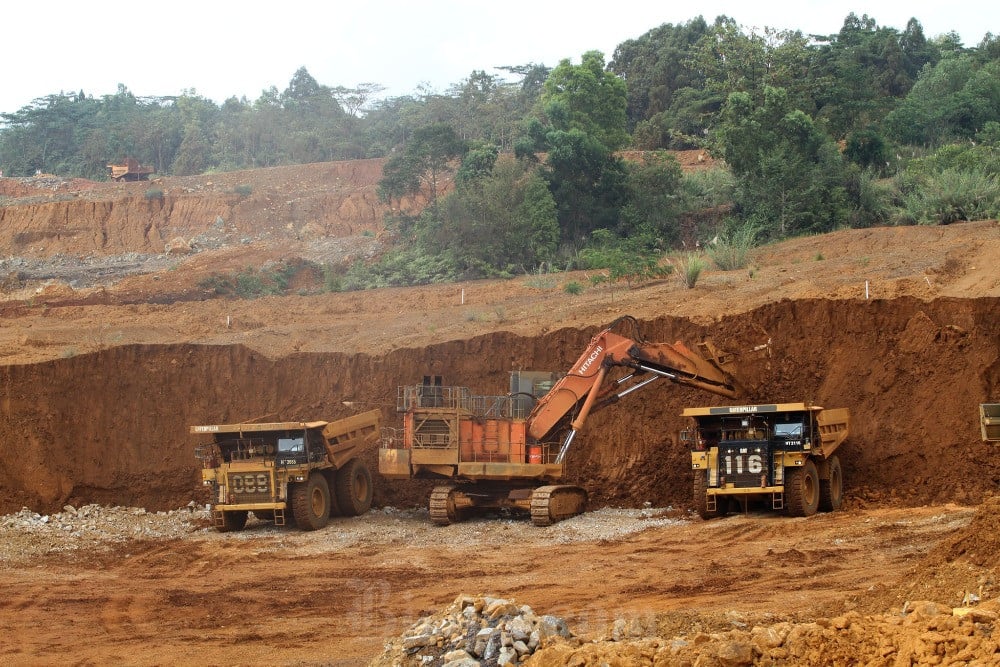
[(220, 48)]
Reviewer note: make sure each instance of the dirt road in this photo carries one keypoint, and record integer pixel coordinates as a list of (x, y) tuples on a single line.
[(285, 597)]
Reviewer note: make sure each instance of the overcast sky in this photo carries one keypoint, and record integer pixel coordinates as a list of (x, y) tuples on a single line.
[(222, 49)]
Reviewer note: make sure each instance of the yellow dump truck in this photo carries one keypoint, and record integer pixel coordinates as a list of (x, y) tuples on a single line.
[(782, 454), (129, 170), (287, 472)]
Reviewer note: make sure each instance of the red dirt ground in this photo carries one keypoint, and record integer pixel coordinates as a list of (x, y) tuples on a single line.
[(102, 374)]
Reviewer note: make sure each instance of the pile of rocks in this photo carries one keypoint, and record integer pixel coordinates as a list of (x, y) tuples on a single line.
[(27, 534), (474, 631), (924, 633)]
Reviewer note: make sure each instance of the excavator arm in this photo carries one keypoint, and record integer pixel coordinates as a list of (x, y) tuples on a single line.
[(585, 387)]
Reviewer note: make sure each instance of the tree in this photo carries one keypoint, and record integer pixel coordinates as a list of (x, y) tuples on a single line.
[(955, 99), (866, 148), (657, 65), (585, 97), (860, 73), (582, 123), (790, 176), (587, 182), (354, 100), (429, 154), (732, 60), (654, 200), (498, 222), (198, 117)]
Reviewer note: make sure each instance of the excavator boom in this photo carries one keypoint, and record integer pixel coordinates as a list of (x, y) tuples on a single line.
[(584, 388)]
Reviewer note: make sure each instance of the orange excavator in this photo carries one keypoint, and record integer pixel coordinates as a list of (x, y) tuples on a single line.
[(492, 452)]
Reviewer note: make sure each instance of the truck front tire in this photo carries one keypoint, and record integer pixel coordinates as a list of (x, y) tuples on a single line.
[(802, 490), (311, 502), (354, 488)]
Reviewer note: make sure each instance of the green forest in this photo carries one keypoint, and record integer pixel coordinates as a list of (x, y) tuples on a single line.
[(866, 126)]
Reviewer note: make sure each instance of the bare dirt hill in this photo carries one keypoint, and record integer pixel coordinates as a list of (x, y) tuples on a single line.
[(109, 349)]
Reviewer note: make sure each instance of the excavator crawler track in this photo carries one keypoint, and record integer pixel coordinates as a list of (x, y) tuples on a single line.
[(442, 505), (550, 504)]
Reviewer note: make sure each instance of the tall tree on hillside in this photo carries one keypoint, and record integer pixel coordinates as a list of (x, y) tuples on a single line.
[(863, 71), (790, 176), (955, 99), (656, 65), (199, 118), (734, 60), (429, 154), (585, 97), (583, 122)]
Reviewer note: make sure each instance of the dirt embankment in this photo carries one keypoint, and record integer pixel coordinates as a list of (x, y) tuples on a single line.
[(48, 216), (111, 427)]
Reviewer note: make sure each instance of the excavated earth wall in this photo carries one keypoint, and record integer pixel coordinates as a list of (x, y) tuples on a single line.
[(112, 427), (45, 217)]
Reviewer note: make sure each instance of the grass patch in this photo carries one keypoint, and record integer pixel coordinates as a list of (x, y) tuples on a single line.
[(690, 269)]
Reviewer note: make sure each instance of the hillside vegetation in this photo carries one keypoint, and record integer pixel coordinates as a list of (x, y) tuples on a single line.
[(523, 172)]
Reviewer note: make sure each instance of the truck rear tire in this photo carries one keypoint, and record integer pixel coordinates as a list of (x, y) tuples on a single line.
[(311, 502), (802, 490), (354, 488), (831, 491), (232, 521)]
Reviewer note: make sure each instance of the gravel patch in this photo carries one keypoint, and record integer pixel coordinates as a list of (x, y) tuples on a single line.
[(26, 534)]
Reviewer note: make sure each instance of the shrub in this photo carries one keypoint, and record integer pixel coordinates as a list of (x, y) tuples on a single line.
[(624, 259), (252, 283), (707, 188), (541, 279), (691, 267), (154, 193), (952, 195), (573, 287), (243, 189), (732, 250), (870, 199)]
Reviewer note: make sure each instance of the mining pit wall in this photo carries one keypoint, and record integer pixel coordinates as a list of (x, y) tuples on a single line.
[(112, 427)]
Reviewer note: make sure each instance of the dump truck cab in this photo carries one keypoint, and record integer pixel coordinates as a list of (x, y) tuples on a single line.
[(782, 454)]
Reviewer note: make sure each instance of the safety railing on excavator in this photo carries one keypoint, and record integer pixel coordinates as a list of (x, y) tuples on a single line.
[(459, 399)]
